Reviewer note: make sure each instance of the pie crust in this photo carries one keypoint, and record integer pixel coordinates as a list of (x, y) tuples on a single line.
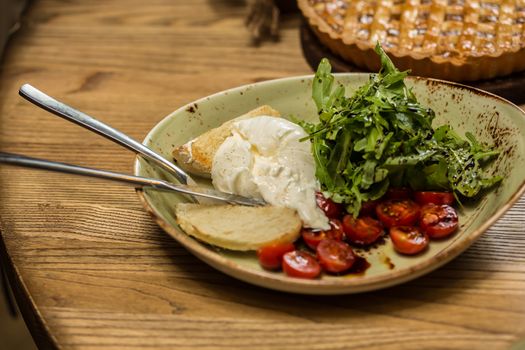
[(459, 40)]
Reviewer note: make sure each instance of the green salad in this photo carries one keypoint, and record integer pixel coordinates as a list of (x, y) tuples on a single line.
[(381, 136)]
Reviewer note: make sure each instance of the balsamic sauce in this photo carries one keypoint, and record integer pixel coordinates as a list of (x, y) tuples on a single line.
[(359, 267), (389, 263)]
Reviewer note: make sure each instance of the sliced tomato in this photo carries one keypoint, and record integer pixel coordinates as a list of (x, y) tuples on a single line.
[(328, 206), (336, 229), (271, 256), (398, 212), (408, 239), (301, 264), (335, 256), (364, 230), (313, 238), (398, 193), (438, 221), (425, 197), (368, 208)]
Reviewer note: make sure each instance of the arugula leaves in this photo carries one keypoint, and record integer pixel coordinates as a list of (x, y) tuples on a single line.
[(381, 136)]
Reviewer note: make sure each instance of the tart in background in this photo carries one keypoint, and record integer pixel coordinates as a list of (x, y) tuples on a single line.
[(459, 40)]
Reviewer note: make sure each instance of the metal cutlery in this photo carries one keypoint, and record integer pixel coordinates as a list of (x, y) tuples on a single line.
[(71, 114), (137, 181)]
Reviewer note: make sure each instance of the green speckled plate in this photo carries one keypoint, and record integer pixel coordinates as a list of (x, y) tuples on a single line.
[(491, 118)]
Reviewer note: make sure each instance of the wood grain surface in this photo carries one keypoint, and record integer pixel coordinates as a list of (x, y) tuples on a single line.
[(92, 271)]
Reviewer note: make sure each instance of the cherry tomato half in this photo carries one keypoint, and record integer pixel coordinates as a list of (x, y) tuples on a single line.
[(301, 264), (425, 197), (335, 256), (328, 206), (398, 193), (271, 256), (313, 238), (364, 230), (438, 221), (408, 239), (398, 212)]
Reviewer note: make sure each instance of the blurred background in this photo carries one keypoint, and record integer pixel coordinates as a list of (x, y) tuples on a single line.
[(13, 331)]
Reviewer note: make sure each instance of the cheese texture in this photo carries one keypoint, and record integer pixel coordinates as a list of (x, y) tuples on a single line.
[(263, 158)]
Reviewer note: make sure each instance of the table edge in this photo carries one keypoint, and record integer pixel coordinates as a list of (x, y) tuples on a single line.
[(32, 317)]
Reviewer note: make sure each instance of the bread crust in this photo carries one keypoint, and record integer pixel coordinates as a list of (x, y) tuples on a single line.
[(196, 156)]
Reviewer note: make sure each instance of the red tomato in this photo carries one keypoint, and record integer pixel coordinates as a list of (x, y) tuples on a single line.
[(425, 197), (336, 228), (438, 221), (398, 193), (271, 256), (402, 212), (313, 238), (335, 256), (328, 206), (363, 230), (408, 239), (301, 264), (368, 208)]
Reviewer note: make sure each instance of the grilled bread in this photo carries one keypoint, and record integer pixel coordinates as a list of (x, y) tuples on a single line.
[(196, 156), (238, 227)]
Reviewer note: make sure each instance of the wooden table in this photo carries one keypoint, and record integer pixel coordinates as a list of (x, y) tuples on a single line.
[(92, 271)]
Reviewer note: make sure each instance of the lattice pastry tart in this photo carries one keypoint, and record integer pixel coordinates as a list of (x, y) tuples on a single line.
[(448, 39)]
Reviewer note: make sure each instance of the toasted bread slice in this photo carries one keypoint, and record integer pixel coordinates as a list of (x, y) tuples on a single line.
[(196, 156), (238, 227)]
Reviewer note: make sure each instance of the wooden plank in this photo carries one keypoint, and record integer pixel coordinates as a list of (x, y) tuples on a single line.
[(94, 272)]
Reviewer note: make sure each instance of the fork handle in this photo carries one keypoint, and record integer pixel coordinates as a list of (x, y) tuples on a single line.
[(20, 160), (204, 194), (60, 109)]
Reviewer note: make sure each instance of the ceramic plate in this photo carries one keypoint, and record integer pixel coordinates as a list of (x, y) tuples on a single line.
[(490, 118)]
